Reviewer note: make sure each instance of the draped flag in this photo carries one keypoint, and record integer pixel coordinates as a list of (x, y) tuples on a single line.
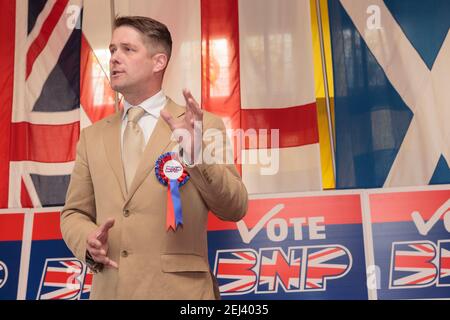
[(44, 114), (46, 58), (391, 73), (250, 62)]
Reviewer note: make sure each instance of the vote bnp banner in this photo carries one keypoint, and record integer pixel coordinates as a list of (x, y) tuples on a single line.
[(359, 244), (411, 242), (292, 246)]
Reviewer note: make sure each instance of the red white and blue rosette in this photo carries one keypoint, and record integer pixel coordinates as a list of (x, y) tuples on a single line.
[(172, 174)]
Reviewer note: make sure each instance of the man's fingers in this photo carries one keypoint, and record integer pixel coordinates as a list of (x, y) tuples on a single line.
[(99, 255), (168, 118), (188, 116), (192, 104), (107, 262), (193, 113), (107, 225), (101, 259), (190, 101), (97, 252), (94, 243), (194, 107), (186, 94), (102, 233), (112, 264)]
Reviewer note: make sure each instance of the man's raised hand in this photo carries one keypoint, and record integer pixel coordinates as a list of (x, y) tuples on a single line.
[(187, 131), (97, 244)]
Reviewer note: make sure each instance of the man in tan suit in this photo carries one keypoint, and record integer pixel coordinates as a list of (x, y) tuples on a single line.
[(115, 214)]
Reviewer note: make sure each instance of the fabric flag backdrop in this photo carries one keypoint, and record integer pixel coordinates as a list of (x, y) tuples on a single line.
[(379, 125), (49, 72), (44, 113), (391, 72), (255, 70)]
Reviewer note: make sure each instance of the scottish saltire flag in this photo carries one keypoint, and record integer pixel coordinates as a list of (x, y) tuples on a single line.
[(250, 62), (391, 63)]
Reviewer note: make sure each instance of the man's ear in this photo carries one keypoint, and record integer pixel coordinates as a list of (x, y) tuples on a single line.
[(159, 62)]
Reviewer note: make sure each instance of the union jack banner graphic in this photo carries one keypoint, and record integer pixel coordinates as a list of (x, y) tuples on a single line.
[(278, 269), (235, 271), (63, 279), (325, 263), (413, 264), (444, 265)]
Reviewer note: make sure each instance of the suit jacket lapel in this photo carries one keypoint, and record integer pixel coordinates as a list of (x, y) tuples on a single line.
[(112, 143), (157, 144)]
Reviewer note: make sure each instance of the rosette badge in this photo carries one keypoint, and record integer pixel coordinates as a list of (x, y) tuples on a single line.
[(171, 173)]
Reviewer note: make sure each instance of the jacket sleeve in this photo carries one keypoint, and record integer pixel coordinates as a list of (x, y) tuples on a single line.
[(219, 183), (78, 215)]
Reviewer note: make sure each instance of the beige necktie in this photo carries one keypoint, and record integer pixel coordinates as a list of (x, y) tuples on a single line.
[(133, 144)]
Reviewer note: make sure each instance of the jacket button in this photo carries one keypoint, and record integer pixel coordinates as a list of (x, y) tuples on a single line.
[(124, 253), (126, 213)]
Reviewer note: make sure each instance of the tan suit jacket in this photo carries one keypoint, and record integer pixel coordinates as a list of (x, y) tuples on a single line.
[(153, 263)]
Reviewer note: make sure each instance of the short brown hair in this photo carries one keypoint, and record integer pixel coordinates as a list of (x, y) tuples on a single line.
[(154, 31)]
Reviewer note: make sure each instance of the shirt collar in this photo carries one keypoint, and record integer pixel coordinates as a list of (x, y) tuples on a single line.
[(152, 105)]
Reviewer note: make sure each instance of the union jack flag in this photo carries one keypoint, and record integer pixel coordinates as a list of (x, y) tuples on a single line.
[(53, 72), (63, 279), (413, 264), (235, 271), (45, 117), (324, 263)]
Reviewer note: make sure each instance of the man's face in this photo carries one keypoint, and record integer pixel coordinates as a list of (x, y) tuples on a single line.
[(131, 64)]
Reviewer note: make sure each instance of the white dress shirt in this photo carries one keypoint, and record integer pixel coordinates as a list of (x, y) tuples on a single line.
[(152, 107)]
